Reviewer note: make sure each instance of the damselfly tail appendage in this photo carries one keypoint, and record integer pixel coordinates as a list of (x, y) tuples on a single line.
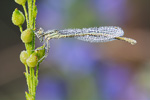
[(101, 34), (129, 40)]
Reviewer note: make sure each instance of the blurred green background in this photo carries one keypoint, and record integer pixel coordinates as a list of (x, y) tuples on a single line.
[(76, 70)]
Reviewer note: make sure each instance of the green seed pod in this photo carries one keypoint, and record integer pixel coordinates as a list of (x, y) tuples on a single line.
[(35, 11), (32, 60), (17, 17), (23, 56), (40, 52), (21, 2), (27, 35)]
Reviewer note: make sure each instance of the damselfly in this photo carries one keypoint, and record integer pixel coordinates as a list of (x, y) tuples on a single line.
[(100, 34)]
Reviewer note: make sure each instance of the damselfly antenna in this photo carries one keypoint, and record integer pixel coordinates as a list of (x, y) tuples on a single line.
[(100, 34)]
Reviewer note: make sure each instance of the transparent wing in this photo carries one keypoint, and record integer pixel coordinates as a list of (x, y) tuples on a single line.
[(101, 34)]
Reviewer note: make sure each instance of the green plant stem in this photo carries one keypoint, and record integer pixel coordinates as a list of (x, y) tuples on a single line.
[(26, 15), (20, 27), (37, 71), (27, 77), (31, 81), (36, 77), (34, 3), (34, 23), (31, 76), (33, 19), (29, 48), (33, 42), (30, 8)]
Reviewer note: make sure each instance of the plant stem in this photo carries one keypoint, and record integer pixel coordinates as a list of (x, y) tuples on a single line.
[(37, 71), (31, 76), (27, 77), (26, 15), (30, 8), (20, 27)]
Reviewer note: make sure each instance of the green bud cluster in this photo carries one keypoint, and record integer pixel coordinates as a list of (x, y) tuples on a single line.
[(27, 36), (33, 59), (18, 17)]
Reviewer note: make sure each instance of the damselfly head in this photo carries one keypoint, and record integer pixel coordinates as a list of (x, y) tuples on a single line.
[(40, 31), (39, 34)]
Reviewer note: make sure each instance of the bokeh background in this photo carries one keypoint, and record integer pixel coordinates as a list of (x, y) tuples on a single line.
[(76, 70)]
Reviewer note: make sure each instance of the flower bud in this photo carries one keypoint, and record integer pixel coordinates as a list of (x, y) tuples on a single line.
[(17, 17), (32, 60), (21, 2), (35, 11), (27, 35), (23, 56), (40, 52)]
